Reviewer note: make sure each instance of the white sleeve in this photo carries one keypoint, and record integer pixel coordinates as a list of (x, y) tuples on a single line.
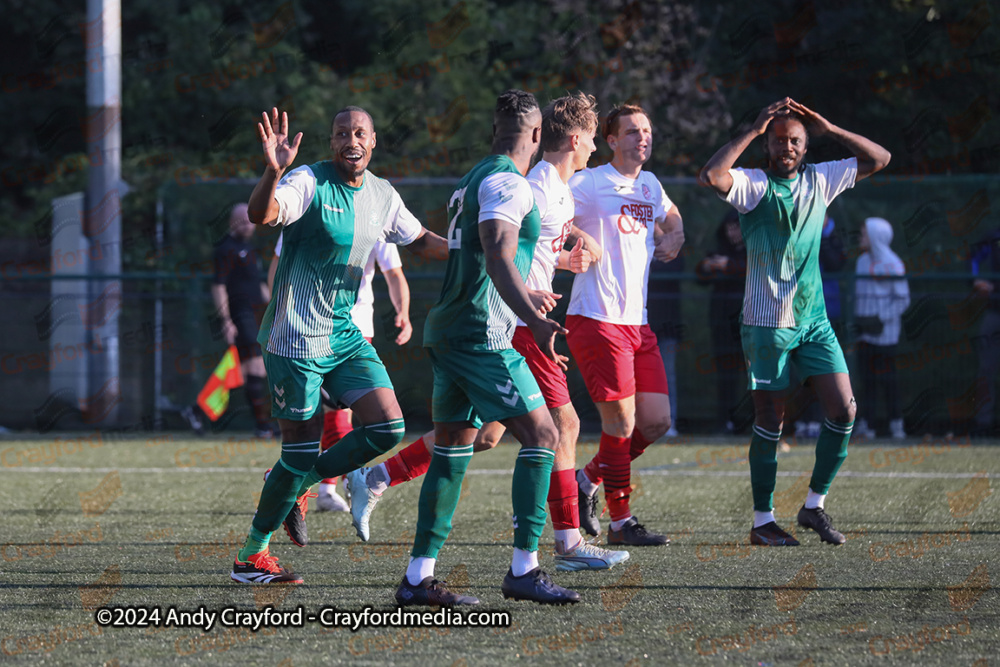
[(749, 186), (277, 246), (665, 203), (832, 178), (505, 196), (387, 256), (294, 195), (403, 227), (540, 200)]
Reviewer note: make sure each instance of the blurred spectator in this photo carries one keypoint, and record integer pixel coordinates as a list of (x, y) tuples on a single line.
[(986, 260), (665, 321), (880, 301), (725, 270), (240, 296)]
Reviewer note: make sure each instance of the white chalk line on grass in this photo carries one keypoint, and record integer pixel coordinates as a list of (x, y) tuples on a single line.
[(508, 471)]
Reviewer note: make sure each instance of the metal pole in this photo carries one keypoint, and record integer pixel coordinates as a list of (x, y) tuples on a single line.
[(158, 322), (102, 216)]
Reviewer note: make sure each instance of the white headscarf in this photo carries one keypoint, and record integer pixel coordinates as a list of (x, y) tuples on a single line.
[(880, 260)]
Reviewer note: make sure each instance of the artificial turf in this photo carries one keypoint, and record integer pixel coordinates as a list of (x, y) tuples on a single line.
[(156, 522)]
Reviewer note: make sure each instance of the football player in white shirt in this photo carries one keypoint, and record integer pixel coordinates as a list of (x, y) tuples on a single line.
[(336, 421), (568, 128), (625, 209)]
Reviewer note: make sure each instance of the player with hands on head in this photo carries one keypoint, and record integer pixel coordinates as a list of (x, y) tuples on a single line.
[(782, 210)]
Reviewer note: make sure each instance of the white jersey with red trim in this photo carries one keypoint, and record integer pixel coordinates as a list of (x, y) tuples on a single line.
[(554, 200), (620, 213)]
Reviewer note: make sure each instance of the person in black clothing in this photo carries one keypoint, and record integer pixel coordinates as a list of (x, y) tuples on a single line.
[(985, 258), (240, 295), (725, 270)]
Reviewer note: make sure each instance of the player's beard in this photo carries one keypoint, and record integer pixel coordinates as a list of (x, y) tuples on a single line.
[(781, 170), (351, 170)]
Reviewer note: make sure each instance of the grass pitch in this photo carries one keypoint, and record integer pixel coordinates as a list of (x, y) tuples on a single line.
[(156, 522)]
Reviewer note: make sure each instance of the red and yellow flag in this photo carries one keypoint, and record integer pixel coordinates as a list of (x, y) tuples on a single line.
[(214, 396)]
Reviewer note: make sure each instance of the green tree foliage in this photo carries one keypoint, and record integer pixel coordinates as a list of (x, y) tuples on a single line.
[(196, 75)]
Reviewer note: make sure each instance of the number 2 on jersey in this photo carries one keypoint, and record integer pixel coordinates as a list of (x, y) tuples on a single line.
[(454, 231)]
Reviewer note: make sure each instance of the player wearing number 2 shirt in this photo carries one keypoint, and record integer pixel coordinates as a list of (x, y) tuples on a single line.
[(494, 225), (568, 128), (629, 215)]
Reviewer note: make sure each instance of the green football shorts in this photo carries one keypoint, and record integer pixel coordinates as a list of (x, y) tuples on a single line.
[(346, 376), (482, 386), (813, 348)]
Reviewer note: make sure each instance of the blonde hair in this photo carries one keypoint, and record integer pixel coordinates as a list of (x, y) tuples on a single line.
[(560, 117)]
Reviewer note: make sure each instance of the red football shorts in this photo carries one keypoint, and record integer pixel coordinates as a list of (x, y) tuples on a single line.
[(550, 378), (616, 360)]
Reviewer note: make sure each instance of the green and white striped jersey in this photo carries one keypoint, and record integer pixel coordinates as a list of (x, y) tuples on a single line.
[(782, 224), (329, 231), (470, 314)]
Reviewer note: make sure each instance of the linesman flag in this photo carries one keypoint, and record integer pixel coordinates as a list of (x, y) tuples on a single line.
[(214, 396)]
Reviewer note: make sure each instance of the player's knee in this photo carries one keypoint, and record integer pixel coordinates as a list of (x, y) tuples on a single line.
[(620, 424), (299, 460), (844, 413), (769, 423), (655, 429), (386, 435), (570, 425), (548, 436), (486, 439)]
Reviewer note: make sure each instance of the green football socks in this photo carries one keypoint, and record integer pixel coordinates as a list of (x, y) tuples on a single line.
[(763, 459), (439, 497), (529, 492), (831, 450)]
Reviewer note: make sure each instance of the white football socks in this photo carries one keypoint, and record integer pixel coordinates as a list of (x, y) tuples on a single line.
[(815, 500), (760, 518), (523, 562), (569, 539), (617, 525), (584, 483), (419, 569)]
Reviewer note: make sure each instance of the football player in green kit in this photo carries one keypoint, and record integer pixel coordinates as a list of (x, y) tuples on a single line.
[(782, 210), (478, 376), (332, 213)]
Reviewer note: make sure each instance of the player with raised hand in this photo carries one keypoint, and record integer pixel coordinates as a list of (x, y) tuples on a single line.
[(332, 213), (782, 211), (626, 210), (568, 128), (337, 420), (478, 377)]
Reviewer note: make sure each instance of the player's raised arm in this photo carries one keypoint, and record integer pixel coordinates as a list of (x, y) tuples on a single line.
[(715, 173), (279, 154), (871, 157), (499, 240)]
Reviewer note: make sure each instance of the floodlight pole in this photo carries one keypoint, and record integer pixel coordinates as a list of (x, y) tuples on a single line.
[(102, 209)]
